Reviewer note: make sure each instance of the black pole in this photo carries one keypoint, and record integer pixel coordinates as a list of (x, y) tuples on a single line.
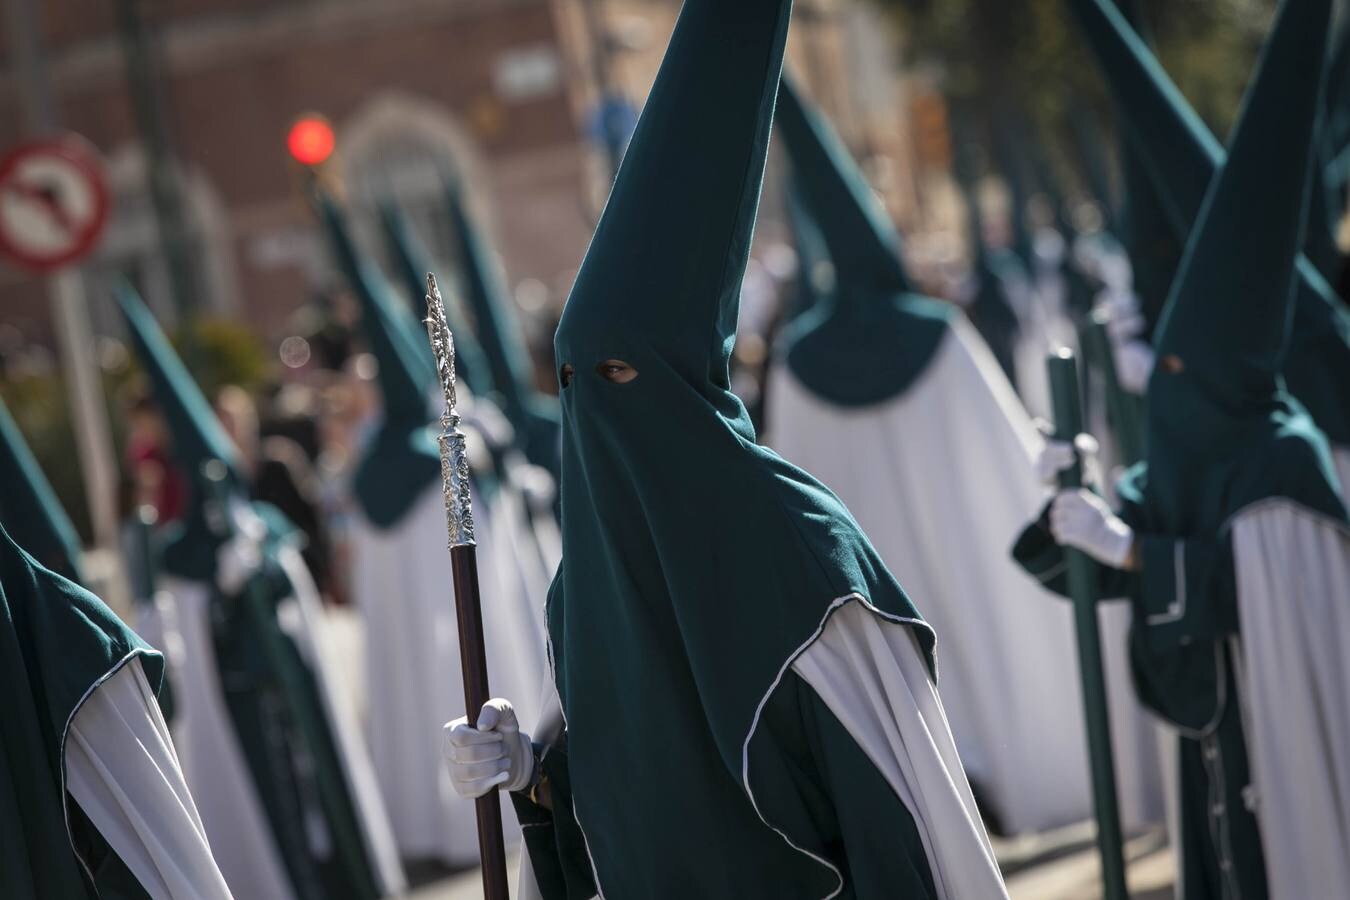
[(1082, 577)]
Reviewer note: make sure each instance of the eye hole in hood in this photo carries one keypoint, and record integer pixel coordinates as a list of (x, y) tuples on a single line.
[(616, 371)]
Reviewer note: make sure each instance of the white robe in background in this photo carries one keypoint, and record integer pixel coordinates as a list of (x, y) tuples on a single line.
[(403, 586), (1340, 460), (120, 767), (1293, 585), (941, 481), (212, 759)]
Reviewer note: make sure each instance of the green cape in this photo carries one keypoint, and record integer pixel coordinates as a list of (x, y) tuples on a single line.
[(695, 562), (872, 335), (57, 643)]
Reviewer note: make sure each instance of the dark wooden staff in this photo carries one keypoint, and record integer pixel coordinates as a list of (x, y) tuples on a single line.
[(464, 568)]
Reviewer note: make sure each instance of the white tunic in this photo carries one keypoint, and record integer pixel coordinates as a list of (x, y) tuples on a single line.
[(403, 585), (940, 479), (213, 760), (121, 769), (1293, 587)]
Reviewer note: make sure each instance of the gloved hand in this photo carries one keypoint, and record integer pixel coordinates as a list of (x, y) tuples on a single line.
[(236, 562), (1055, 456), (1134, 365), (1082, 520), (495, 753)]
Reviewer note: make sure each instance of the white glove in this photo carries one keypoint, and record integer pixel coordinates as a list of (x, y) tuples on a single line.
[(237, 560), (1055, 456), (1134, 364), (1081, 519), (495, 753)]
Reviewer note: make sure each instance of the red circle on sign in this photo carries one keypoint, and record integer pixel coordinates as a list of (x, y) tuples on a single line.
[(311, 140), (74, 174)]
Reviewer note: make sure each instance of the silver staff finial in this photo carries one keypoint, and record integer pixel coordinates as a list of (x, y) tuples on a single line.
[(454, 453)]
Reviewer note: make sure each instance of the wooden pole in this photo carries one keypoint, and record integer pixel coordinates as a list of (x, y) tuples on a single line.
[(464, 571), (1082, 577)]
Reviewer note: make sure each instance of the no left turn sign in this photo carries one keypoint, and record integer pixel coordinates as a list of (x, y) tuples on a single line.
[(53, 202)]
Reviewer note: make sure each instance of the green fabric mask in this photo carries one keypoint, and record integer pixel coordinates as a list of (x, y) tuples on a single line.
[(402, 459), (695, 563), (57, 641), (190, 545), (1228, 317), (29, 505), (867, 340), (1182, 157), (533, 415)]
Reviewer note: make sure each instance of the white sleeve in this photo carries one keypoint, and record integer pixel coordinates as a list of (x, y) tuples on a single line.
[(868, 670), (122, 770)]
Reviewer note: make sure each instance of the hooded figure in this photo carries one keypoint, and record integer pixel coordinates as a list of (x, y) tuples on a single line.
[(403, 585), (92, 800), (281, 777), (991, 272), (747, 692), (1182, 156), (1232, 542), (533, 415), (29, 505), (915, 457)]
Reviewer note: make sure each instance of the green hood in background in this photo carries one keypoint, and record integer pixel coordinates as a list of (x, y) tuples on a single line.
[(1182, 156), (1228, 317), (533, 415), (402, 458), (1153, 247), (872, 335), (695, 562), (197, 435), (29, 508), (408, 258)]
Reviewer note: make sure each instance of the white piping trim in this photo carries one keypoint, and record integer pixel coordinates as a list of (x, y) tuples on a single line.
[(835, 604), (1176, 610), (61, 751), (1220, 703)]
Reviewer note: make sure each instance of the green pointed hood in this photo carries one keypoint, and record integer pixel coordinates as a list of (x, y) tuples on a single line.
[(533, 415), (409, 259), (1241, 252), (872, 335), (990, 310), (815, 271), (695, 562), (1182, 156), (1228, 317), (29, 508), (1153, 247), (402, 459), (197, 435)]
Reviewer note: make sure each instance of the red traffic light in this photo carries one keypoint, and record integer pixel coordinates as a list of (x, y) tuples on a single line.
[(310, 140)]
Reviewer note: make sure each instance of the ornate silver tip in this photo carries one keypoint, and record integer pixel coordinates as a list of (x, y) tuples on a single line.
[(442, 343)]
